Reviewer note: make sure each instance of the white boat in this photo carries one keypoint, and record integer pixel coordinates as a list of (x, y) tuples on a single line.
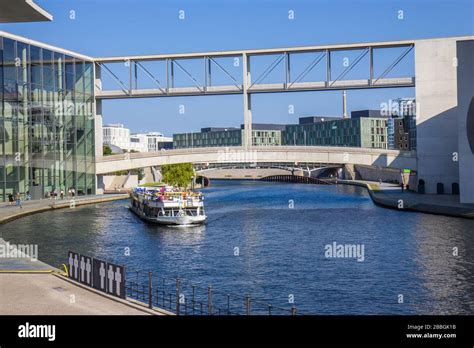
[(167, 207)]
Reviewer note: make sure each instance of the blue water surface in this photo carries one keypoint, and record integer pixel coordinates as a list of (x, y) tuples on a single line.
[(269, 240)]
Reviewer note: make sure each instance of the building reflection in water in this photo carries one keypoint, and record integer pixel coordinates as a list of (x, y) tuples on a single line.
[(447, 279)]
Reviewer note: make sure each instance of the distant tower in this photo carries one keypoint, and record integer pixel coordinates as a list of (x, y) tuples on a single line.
[(344, 104)]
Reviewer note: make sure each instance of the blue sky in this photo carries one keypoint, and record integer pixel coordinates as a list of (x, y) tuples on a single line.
[(122, 27)]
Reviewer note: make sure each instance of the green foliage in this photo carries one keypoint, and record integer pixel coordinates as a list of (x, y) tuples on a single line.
[(138, 172), (141, 174), (106, 150), (179, 174), (152, 184), (121, 172)]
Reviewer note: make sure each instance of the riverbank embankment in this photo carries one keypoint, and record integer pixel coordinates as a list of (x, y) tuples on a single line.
[(391, 196)]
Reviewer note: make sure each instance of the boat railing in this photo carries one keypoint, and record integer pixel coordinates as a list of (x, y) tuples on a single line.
[(184, 201), (171, 195)]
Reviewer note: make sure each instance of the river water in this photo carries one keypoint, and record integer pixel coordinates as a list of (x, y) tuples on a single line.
[(271, 240)]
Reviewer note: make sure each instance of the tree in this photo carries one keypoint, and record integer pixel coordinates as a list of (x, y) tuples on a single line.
[(179, 174), (106, 150)]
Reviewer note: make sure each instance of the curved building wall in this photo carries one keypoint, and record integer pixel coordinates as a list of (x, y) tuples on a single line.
[(465, 76)]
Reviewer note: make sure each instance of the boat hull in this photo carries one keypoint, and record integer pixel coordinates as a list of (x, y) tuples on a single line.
[(171, 220)]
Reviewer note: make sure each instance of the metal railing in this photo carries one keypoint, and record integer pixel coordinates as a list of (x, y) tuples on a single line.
[(186, 298)]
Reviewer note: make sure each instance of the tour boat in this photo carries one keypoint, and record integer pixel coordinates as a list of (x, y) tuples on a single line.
[(166, 206)]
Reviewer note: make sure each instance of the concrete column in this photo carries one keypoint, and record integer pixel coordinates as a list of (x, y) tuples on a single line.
[(436, 114), (465, 87), (98, 136), (97, 109), (349, 172), (247, 140), (208, 72), (344, 104)]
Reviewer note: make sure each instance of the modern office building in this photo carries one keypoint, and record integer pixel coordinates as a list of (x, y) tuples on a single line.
[(404, 107), (46, 119), (138, 143), (398, 133), (315, 119), (150, 142), (116, 134), (156, 141), (262, 135), (402, 124), (361, 130), (407, 109), (368, 113), (209, 137)]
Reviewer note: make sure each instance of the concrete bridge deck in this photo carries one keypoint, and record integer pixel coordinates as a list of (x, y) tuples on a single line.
[(257, 88), (261, 154)]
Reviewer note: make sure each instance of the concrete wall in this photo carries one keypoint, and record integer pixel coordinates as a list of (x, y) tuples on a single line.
[(437, 125), (372, 173), (465, 75), (109, 182)]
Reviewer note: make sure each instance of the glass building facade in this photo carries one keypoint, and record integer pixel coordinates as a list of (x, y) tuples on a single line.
[(365, 132), (262, 135), (46, 121)]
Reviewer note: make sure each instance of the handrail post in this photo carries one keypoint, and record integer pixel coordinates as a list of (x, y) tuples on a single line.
[(247, 304), (177, 295), (209, 300), (193, 297), (150, 290)]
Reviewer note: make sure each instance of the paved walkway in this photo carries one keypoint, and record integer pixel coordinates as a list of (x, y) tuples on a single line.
[(49, 294), (14, 260), (391, 196), (8, 213)]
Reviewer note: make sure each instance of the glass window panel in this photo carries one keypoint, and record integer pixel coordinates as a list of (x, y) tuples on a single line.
[(69, 61), (9, 59), (88, 78), (59, 71), (22, 63), (36, 66), (79, 73)]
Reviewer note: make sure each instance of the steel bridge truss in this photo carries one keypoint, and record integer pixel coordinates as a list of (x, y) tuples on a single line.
[(165, 85), (245, 86)]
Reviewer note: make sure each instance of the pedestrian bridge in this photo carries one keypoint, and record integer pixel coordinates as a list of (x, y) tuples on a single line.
[(262, 154)]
